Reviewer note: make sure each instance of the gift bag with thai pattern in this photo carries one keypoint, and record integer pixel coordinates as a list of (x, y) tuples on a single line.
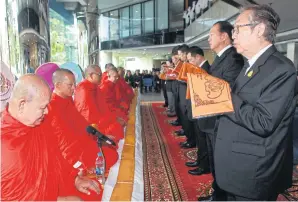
[(210, 96)]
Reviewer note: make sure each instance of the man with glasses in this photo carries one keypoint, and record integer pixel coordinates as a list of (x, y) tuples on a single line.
[(253, 150), (226, 66)]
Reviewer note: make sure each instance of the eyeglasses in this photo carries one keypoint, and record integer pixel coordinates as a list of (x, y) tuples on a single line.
[(236, 28)]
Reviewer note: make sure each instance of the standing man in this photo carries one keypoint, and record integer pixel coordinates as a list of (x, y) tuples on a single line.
[(227, 65), (253, 150), (195, 56)]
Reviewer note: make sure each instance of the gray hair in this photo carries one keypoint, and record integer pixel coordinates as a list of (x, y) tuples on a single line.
[(266, 15)]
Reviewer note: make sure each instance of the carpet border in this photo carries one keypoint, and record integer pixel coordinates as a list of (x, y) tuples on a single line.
[(178, 184)]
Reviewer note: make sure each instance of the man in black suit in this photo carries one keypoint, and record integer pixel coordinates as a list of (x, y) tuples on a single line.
[(227, 65), (253, 151), (195, 56), (182, 103)]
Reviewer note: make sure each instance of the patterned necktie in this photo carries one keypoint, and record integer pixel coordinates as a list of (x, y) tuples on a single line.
[(246, 67)]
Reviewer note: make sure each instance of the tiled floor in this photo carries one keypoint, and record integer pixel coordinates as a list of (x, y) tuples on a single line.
[(151, 96)]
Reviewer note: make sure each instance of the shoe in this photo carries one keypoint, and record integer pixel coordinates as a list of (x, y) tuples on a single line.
[(192, 164), (169, 114), (199, 171), (182, 143), (175, 123), (206, 198), (187, 146), (179, 132)]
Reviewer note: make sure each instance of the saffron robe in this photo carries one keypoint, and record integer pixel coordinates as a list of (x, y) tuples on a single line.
[(96, 111), (75, 143), (124, 93), (31, 163), (108, 92)]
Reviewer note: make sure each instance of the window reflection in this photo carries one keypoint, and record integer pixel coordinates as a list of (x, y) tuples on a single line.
[(161, 9), (148, 17), (124, 22), (114, 25), (136, 19)]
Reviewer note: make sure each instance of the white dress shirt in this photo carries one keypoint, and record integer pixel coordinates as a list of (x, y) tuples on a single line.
[(252, 60), (223, 50)]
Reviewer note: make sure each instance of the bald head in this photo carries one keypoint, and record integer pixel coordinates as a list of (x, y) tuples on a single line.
[(93, 74), (29, 100), (109, 66), (29, 86), (121, 71), (64, 82), (60, 75), (113, 74)]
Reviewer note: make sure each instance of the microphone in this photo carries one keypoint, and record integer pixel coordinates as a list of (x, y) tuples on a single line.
[(93, 131)]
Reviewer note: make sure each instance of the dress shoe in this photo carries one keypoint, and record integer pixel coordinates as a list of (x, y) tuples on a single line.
[(175, 123), (192, 164), (182, 143), (171, 114), (198, 171), (179, 132), (188, 146), (206, 198)]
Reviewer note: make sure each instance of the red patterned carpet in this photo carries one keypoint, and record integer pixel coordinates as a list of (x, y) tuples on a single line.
[(165, 173)]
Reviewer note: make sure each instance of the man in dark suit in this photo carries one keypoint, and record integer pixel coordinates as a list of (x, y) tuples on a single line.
[(253, 151), (195, 56), (182, 103), (227, 65)]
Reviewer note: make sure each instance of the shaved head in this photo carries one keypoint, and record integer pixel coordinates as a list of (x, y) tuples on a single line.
[(29, 86), (65, 82), (91, 69), (113, 74), (109, 66), (29, 100), (93, 74), (60, 75), (121, 71)]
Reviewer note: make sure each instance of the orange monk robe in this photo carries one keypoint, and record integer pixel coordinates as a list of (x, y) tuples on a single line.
[(86, 102), (107, 92), (32, 167), (104, 77), (124, 93), (69, 124)]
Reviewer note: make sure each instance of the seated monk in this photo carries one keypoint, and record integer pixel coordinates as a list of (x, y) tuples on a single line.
[(70, 125), (124, 92), (105, 74), (85, 99), (107, 92), (32, 167)]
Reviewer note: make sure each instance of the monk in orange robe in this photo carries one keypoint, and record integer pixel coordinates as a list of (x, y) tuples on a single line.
[(32, 167), (105, 74), (124, 92), (108, 92), (70, 124), (87, 103)]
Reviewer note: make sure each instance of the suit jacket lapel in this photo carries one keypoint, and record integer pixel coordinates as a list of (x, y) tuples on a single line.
[(243, 79), (206, 66), (221, 58)]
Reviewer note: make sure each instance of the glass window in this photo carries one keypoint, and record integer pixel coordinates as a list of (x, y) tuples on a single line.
[(161, 9), (114, 25), (104, 27), (176, 9), (148, 17), (124, 22), (136, 19)]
